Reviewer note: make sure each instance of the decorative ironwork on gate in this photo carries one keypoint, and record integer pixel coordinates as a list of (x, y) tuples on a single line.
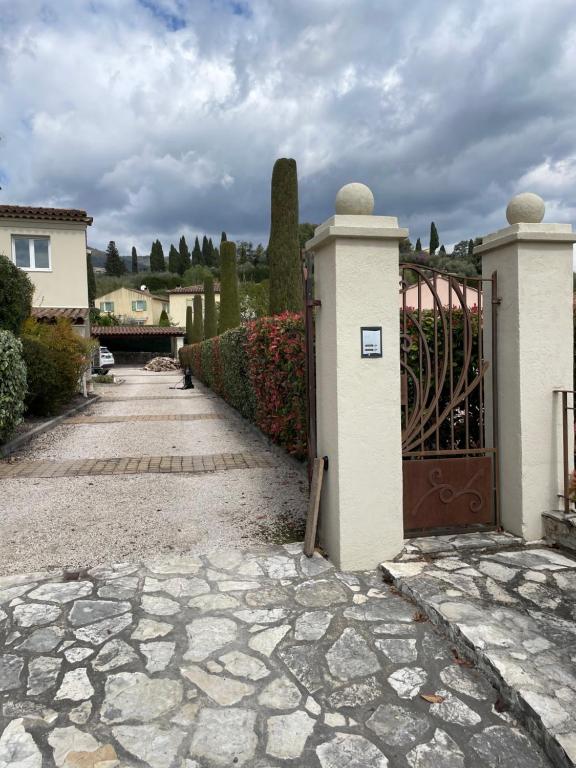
[(449, 425)]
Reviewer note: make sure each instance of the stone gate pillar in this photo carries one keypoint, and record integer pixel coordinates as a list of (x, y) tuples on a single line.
[(356, 279), (534, 355)]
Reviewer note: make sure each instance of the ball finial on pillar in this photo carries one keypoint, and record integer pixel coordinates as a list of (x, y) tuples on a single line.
[(526, 208), (355, 199)]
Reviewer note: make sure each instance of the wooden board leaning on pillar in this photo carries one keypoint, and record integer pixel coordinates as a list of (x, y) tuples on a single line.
[(313, 507)]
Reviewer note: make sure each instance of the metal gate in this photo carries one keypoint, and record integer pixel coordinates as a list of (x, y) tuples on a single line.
[(449, 420), (310, 340)]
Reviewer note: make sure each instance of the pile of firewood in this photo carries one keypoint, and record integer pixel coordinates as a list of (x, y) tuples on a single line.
[(162, 364)]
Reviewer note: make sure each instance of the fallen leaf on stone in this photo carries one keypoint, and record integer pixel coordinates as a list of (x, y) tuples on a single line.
[(460, 661), (419, 617), (432, 698), (500, 705)]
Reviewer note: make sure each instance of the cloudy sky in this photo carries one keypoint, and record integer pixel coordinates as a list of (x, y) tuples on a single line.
[(163, 117)]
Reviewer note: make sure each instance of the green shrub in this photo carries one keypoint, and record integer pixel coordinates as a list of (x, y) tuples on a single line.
[(16, 292), (198, 322), (70, 352), (210, 318), (259, 370), (45, 395), (239, 391), (189, 326), (12, 384), (229, 299)]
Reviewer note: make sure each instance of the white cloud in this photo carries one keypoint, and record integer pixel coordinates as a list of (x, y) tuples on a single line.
[(164, 117)]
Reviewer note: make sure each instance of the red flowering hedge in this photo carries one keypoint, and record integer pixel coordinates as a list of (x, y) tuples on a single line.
[(259, 368)]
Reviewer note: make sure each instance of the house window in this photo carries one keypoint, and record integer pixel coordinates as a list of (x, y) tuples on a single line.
[(107, 306), (138, 306), (31, 253)]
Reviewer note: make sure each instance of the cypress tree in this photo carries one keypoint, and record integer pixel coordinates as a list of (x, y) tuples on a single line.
[(283, 248), (223, 237), (229, 299), (211, 249), (470, 247), (185, 260), (114, 264), (442, 250), (134, 260), (198, 325), (210, 328), (418, 247), (91, 281), (434, 240), (174, 260), (164, 320), (157, 261), (189, 325), (205, 251), (196, 254)]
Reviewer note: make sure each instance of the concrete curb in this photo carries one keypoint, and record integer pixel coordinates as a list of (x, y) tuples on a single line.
[(18, 442)]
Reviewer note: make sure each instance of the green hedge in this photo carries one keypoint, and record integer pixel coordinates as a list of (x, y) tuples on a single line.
[(12, 384), (259, 369), (45, 395)]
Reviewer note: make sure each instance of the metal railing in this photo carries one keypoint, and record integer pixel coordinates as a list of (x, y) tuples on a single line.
[(567, 424)]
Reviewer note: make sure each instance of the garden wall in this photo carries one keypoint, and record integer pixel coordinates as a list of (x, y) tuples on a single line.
[(259, 369)]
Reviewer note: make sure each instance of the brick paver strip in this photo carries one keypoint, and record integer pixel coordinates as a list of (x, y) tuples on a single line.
[(144, 417), (131, 465), (106, 399)]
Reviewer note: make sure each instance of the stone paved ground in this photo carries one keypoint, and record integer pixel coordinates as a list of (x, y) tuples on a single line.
[(144, 471), (260, 658), (514, 612)]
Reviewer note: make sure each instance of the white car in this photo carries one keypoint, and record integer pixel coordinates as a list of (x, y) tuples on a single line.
[(103, 360)]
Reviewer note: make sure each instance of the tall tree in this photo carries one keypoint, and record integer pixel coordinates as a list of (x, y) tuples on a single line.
[(470, 247), (223, 237), (418, 246), (211, 254), (157, 260), (196, 254), (442, 250), (173, 260), (16, 291), (189, 325), (210, 328), (198, 326), (229, 299), (434, 240), (91, 281), (114, 264), (205, 251), (134, 260), (185, 259), (406, 249), (460, 250), (305, 233), (284, 247)]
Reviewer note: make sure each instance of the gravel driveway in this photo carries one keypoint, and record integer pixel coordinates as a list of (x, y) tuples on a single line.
[(55, 522)]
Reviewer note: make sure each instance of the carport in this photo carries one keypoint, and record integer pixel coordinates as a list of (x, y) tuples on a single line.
[(139, 343)]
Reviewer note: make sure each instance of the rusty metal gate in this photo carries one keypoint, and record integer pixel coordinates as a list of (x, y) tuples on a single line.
[(449, 420), (310, 340)]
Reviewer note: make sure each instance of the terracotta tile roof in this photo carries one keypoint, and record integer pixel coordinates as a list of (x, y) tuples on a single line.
[(160, 297), (47, 214), (136, 330), (53, 313), (193, 289)]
